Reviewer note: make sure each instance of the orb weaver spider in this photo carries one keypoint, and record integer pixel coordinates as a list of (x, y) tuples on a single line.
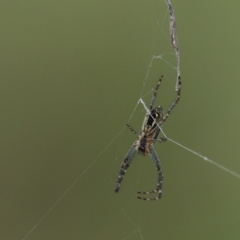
[(153, 120)]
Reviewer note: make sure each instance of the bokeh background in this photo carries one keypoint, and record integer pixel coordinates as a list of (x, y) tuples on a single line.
[(71, 75)]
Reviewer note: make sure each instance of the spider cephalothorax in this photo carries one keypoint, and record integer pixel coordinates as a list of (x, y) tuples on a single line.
[(154, 118)]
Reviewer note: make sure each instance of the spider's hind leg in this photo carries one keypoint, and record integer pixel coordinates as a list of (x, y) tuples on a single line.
[(154, 94), (159, 140), (176, 100), (131, 129)]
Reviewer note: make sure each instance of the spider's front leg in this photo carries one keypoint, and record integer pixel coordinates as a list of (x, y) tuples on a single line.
[(124, 166), (158, 189)]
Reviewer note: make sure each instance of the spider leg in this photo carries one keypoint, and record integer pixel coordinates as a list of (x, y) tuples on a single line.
[(132, 130), (162, 139), (175, 102), (154, 95), (158, 189), (124, 166)]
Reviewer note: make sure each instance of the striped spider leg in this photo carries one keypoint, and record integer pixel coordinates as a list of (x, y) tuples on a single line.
[(153, 120)]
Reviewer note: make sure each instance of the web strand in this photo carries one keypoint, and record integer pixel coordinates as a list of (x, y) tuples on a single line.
[(175, 44), (72, 185), (188, 149), (174, 41)]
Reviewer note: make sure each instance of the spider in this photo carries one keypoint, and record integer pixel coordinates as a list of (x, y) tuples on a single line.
[(153, 120)]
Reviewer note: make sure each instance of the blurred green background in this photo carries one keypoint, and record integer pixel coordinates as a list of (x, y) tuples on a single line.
[(71, 75)]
